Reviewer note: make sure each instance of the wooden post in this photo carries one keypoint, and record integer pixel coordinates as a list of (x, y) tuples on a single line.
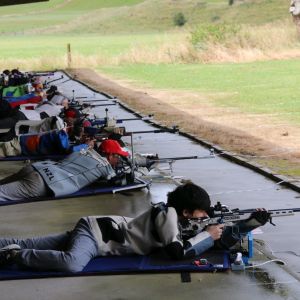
[(69, 56)]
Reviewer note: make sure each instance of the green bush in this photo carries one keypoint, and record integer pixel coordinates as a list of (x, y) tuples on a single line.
[(214, 33), (179, 19)]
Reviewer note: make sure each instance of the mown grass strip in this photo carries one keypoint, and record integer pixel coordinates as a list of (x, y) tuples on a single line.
[(269, 87)]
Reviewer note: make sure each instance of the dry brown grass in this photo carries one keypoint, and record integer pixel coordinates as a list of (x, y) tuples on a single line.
[(271, 41), (251, 43), (52, 63)]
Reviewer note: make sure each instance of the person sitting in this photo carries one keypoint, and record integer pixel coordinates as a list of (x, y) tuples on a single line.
[(49, 178), (157, 227)]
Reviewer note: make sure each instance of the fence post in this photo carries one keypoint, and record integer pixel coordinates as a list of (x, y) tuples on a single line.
[(69, 55)]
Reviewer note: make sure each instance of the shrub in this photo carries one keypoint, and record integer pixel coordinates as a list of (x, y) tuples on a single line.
[(179, 19), (213, 33)]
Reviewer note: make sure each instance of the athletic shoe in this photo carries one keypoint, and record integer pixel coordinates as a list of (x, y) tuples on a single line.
[(6, 253)]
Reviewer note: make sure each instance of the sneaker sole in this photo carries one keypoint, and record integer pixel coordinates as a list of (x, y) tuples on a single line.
[(10, 247)]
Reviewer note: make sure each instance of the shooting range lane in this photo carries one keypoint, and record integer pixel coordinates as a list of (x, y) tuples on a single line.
[(216, 175), (232, 184)]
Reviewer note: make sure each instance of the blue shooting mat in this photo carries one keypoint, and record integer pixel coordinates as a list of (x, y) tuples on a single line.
[(116, 265), (91, 190), (32, 157), (11, 98)]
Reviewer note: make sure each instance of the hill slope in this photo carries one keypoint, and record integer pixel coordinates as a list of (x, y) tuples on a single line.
[(131, 16)]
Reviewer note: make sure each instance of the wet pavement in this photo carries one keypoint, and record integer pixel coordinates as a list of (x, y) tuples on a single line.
[(225, 181)]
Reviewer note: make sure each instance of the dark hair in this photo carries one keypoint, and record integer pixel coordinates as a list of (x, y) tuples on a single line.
[(188, 196), (15, 71), (52, 89)]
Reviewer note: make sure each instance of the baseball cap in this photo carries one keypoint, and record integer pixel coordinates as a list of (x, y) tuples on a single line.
[(112, 147)]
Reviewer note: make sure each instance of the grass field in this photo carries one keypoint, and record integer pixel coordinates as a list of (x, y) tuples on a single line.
[(127, 16), (18, 19), (262, 87), (26, 47)]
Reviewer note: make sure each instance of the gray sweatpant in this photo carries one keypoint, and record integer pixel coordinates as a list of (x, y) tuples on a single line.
[(27, 183), (68, 252)]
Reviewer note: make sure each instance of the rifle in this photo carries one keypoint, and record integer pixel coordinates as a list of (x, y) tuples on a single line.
[(98, 133), (69, 79), (47, 82), (222, 215), (93, 100), (104, 121), (172, 159), (35, 74), (85, 105)]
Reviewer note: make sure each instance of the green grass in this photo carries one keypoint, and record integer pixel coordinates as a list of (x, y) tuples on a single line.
[(22, 47), (144, 18), (60, 6), (281, 166), (28, 8), (81, 6), (19, 18), (262, 87), (129, 16)]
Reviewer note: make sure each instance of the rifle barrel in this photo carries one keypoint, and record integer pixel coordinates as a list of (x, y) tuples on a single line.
[(42, 74), (55, 79), (79, 106), (94, 100), (151, 131), (103, 121), (64, 80), (275, 212), (170, 159), (95, 105)]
